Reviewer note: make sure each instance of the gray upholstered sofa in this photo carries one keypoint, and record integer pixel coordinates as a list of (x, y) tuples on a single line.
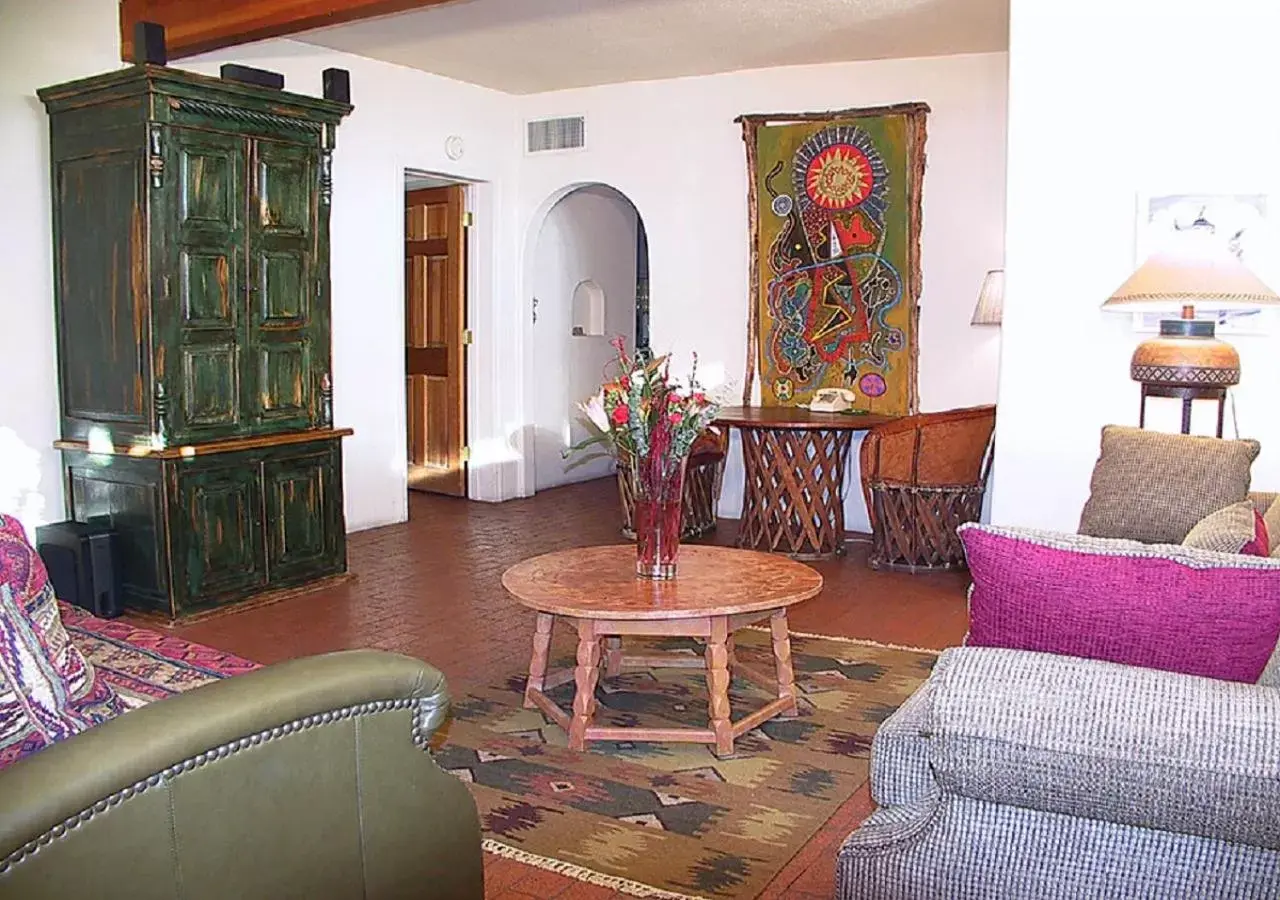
[(1025, 775), (1013, 774)]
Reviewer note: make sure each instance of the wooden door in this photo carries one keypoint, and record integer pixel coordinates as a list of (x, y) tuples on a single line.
[(435, 316)]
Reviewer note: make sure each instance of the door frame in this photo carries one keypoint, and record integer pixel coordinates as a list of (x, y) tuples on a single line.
[(528, 476)]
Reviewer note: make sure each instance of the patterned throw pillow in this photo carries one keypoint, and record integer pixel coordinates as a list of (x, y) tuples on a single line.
[(1234, 529), (1159, 606), (1153, 487), (47, 690)]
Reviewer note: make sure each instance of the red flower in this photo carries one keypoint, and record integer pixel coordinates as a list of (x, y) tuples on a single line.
[(619, 415), (675, 417), (625, 382)]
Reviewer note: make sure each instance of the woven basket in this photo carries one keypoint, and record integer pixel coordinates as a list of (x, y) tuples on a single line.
[(916, 525)]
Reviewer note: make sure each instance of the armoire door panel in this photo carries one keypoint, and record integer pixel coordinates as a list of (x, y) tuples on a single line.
[(211, 385), (221, 547), (302, 531), (282, 293), (204, 288), (285, 179), (210, 191), (283, 368), (98, 210)]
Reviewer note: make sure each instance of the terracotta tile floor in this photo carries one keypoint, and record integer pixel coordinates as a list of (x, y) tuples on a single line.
[(431, 588)]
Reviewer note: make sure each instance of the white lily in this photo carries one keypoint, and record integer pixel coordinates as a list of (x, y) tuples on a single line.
[(594, 408)]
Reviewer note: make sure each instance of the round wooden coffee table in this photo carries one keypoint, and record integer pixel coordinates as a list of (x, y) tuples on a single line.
[(716, 591)]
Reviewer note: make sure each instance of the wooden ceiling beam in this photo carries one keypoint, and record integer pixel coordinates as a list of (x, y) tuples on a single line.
[(198, 26)]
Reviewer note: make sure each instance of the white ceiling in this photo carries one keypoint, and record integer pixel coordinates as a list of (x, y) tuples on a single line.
[(527, 46)]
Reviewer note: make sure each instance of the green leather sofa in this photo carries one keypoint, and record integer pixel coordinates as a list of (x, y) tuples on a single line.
[(307, 779)]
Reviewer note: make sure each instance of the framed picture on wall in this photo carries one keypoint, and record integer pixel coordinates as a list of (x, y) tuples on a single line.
[(1240, 222)]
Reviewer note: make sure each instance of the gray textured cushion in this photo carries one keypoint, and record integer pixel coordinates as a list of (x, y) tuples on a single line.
[(1154, 487), (1110, 742), (1229, 530)]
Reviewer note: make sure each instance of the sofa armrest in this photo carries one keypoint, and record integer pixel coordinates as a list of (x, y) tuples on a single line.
[(1110, 742), (306, 778), (900, 770)]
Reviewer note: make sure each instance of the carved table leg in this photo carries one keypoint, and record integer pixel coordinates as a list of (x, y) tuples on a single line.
[(782, 661), (538, 663), (733, 654), (585, 675), (612, 656), (717, 654)]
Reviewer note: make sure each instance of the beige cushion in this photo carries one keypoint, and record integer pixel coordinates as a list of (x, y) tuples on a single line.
[(1154, 487), (1225, 531)]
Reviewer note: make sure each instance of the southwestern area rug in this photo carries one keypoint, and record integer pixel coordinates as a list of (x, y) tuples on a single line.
[(672, 820), (144, 665)]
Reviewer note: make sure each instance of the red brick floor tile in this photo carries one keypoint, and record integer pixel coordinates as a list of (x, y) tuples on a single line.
[(542, 883)]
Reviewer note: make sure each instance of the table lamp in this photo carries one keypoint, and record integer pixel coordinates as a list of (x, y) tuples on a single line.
[(990, 307), (1187, 361)]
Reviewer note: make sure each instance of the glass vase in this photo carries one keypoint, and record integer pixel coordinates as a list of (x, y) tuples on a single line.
[(657, 486)]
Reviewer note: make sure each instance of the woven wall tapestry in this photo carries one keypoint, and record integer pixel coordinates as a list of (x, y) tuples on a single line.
[(834, 207)]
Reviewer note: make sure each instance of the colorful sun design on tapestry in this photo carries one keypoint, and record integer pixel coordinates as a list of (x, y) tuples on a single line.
[(836, 250)]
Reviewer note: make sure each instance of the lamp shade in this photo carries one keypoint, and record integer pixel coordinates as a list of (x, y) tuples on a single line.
[(1167, 281), (990, 308)]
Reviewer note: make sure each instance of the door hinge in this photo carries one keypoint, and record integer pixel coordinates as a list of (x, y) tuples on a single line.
[(468, 219), (468, 337), (465, 455)]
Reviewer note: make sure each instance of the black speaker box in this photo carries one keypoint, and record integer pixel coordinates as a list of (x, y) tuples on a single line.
[(82, 564), (250, 75), (148, 44), (337, 85)]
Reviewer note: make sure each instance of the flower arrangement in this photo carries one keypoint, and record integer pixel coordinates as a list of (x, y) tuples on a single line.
[(644, 414), (650, 423)]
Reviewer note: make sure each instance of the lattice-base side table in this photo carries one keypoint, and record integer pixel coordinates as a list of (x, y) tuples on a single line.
[(795, 461)]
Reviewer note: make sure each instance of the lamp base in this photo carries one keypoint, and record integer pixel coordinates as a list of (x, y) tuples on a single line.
[(1185, 355)]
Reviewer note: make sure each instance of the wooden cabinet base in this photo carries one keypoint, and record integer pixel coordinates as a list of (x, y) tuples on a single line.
[(206, 531)]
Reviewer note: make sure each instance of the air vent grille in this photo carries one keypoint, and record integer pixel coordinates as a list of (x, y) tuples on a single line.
[(544, 135)]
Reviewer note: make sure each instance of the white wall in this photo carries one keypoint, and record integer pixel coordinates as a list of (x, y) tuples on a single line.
[(401, 120), (39, 44), (1169, 98), (672, 147), (590, 234)]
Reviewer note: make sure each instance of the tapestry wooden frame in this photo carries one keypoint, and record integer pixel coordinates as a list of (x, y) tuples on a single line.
[(915, 132)]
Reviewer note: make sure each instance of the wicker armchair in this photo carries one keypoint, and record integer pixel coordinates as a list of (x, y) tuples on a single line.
[(923, 477), (703, 476)]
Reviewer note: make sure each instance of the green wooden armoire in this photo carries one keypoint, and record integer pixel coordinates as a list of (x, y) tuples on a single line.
[(191, 288)]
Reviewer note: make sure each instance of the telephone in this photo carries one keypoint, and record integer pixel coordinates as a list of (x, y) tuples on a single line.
[(832, 400)]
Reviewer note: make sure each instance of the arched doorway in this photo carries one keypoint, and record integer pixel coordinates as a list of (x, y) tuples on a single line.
[(590, 284)]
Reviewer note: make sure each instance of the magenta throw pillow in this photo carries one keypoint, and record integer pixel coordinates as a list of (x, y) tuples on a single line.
[(1160, 606)]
